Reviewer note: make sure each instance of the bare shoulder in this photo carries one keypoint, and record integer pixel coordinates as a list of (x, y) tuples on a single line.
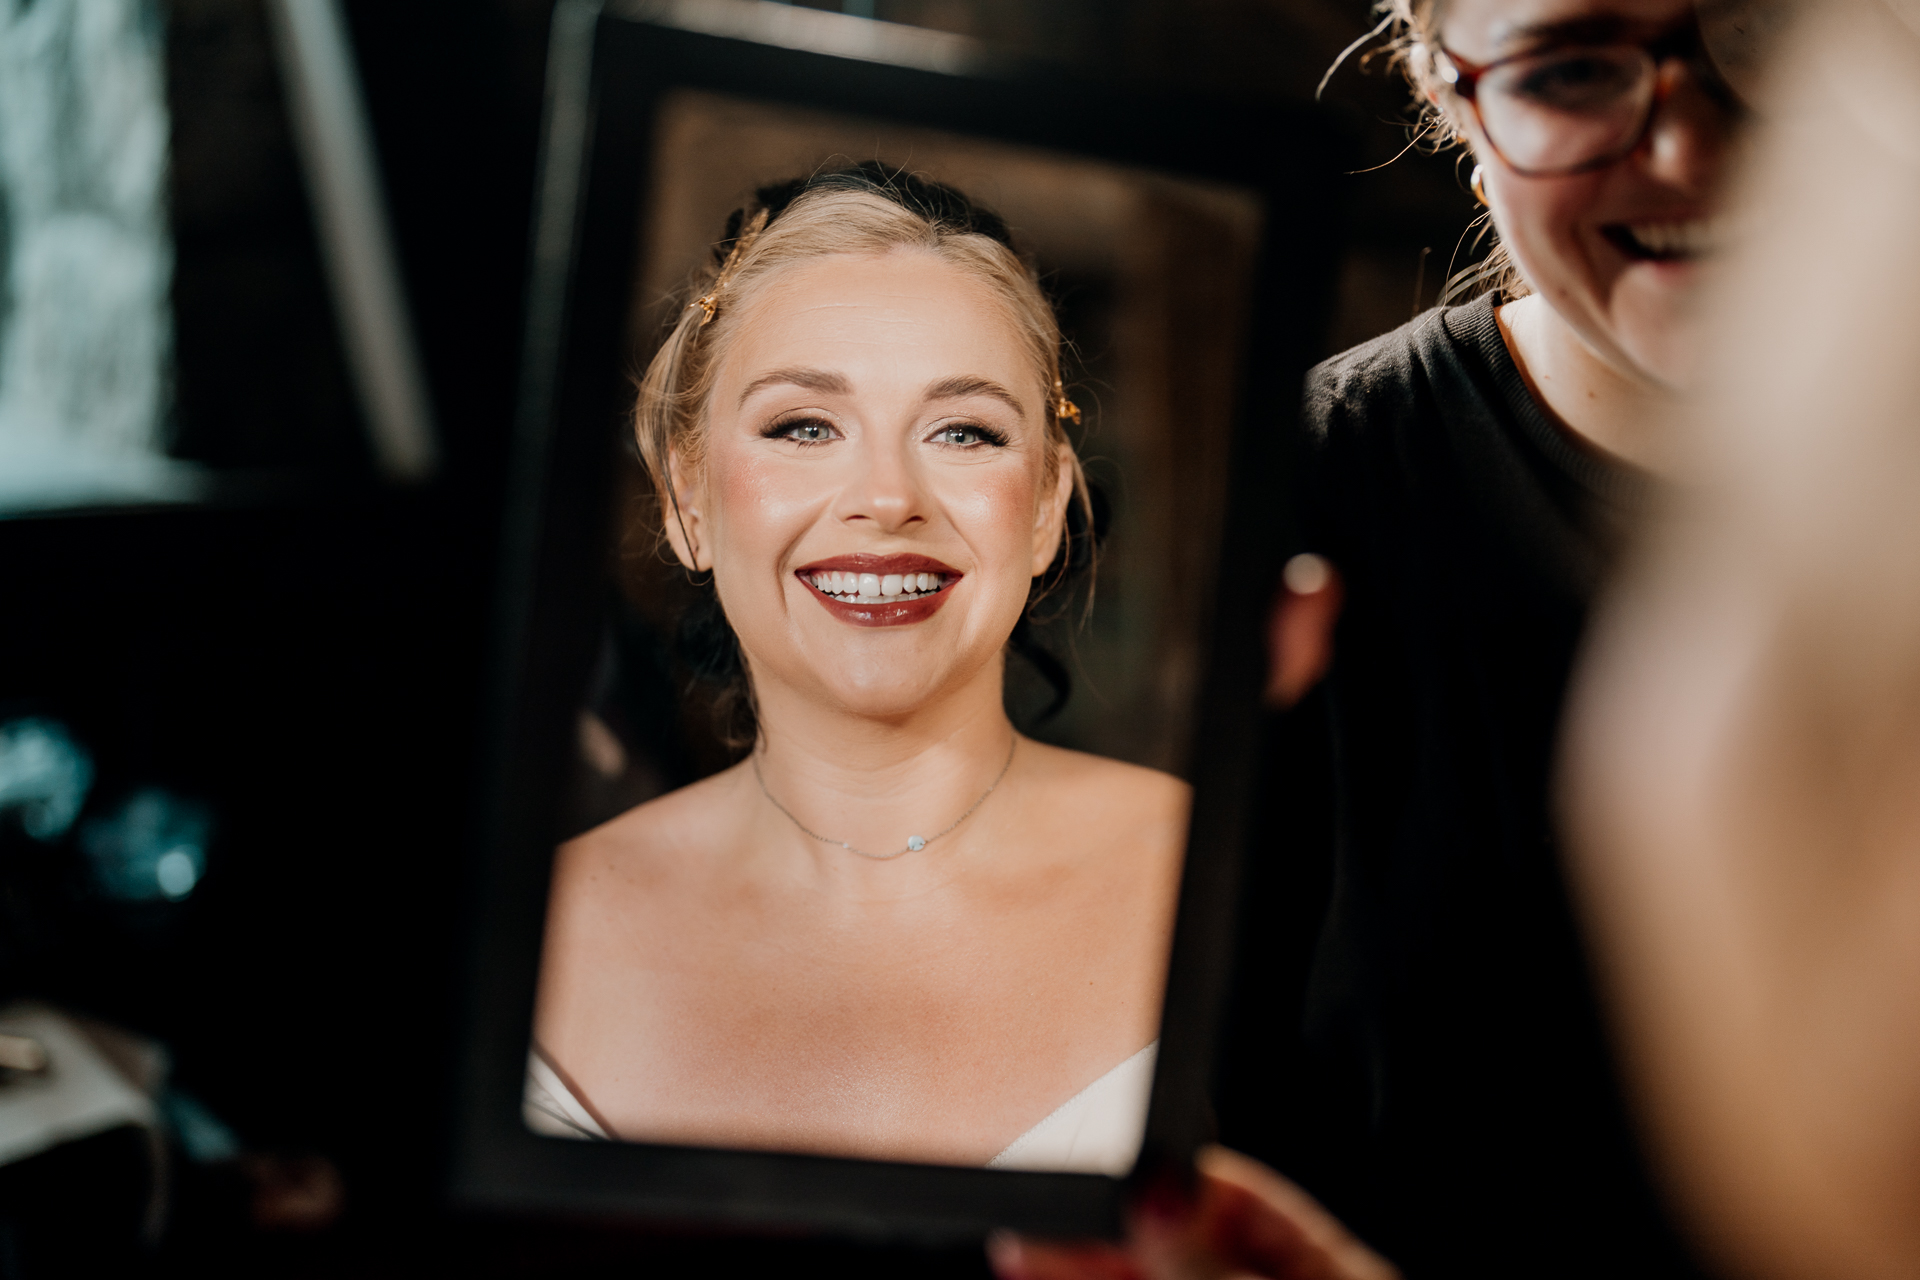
[(617, 891), (1113, 794), (649, 847)]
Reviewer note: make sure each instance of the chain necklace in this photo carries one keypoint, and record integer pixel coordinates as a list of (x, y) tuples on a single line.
[(914, 843)]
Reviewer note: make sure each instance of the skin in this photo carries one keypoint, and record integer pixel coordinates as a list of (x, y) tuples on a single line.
[(1746, 735), (1606, 339), (715, 976), (1606, 343)]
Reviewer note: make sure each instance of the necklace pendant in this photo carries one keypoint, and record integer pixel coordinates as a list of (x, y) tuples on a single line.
[(915, 843)]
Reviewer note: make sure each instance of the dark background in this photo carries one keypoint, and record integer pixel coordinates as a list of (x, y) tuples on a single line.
[(308, 653)]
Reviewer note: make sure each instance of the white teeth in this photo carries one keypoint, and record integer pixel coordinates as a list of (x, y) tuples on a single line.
[(871, 586), (1680, 239)]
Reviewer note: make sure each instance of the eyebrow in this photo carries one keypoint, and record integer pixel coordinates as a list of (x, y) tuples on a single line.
[(1601, 29), (963, 385), (957, 387), (811, 379)]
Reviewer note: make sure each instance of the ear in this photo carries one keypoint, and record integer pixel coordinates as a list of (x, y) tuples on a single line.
[(1050, 521), (685, 518)]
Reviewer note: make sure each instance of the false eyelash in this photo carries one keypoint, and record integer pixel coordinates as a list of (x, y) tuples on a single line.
[(777, 430), (988, 435)]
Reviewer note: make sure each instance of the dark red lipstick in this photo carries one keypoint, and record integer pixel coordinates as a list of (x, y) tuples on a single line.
[(879, 591)]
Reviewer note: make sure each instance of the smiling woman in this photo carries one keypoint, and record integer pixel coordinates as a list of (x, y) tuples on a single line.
[(898, 928), (1469, 477)]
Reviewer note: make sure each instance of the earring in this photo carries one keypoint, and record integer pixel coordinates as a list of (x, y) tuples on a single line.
[(1478, 181)]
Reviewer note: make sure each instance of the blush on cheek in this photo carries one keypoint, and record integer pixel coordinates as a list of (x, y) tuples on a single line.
[(760, 501), (995, 515), (754, 513)]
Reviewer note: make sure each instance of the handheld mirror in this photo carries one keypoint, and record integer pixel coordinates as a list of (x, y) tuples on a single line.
[(712, 978)]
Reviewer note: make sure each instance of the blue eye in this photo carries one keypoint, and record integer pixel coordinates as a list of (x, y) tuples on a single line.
[(806, 431), (966, 436)]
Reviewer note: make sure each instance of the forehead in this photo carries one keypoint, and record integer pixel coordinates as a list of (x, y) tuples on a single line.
[(906, 312), (1485, 29)]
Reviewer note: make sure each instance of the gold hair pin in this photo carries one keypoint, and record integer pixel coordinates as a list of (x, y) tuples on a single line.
[(1064, 410), (710, 301)]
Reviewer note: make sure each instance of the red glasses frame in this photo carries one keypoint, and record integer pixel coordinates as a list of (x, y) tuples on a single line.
[(1463, 77)]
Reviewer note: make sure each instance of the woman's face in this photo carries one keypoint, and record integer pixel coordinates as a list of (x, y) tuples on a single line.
[(1616, 252), (877, 493)]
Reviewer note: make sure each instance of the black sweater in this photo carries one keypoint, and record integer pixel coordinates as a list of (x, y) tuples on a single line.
[(1454, 1097)]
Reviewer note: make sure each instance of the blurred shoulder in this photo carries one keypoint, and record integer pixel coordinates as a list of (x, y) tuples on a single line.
[(1378, 380)]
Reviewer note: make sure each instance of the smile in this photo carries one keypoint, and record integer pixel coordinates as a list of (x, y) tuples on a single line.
[(1667, 241), (880, 591)]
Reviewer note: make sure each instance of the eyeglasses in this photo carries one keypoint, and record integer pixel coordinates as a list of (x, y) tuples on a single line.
[(1575, 107)]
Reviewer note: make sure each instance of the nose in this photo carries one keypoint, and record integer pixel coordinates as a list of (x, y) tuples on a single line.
[(1688, 137), (885, 493)]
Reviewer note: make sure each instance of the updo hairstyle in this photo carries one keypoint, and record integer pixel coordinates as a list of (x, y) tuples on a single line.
[(862, 209)]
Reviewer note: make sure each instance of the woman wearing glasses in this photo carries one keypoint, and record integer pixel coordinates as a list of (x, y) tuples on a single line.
[(1469, 473), (1472, 473)]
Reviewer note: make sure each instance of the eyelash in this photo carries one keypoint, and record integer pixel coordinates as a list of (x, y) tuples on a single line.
[(782, 430), (987, 436), (984, 435)]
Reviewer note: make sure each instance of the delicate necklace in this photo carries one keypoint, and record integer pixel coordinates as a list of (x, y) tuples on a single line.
[(914, 843)]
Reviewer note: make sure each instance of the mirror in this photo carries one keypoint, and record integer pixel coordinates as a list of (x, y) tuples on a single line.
[(976, 987), (767, 988)]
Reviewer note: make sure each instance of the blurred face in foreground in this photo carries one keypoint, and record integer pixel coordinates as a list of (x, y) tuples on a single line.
[(878, 488)]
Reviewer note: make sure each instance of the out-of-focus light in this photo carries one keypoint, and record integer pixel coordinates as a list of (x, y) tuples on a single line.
[(44, 776), (86, 337), (203, 1136), (153, 847), (176, 873)]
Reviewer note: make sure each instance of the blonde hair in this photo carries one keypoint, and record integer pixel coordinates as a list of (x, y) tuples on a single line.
[(670, 417), (863, 210), (1413, 38)]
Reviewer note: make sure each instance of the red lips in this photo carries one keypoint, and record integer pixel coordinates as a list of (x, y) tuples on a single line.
[(875, 613), (862, 562)]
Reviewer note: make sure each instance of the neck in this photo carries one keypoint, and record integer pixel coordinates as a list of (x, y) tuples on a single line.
[(1616, 412), (873, 782)]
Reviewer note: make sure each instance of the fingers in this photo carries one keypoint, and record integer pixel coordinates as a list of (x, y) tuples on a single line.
[(1249, 1223), (1015, 1258), (1257, 1221), (1300, 629)]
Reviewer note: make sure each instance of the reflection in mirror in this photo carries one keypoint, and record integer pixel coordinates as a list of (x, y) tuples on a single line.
[(849, 871)]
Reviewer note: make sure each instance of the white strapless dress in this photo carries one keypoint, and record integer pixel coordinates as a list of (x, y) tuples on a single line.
[(1097, 1130)]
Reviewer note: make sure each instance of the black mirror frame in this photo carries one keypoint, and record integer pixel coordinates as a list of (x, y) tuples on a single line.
[(609, 67)]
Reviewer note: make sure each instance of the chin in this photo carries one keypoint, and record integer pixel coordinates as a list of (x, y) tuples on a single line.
[(1659, 330), (876, 686), (882, 700), (1669, 358)]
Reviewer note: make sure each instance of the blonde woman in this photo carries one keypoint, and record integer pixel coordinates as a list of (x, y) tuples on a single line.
[(897, 929)]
